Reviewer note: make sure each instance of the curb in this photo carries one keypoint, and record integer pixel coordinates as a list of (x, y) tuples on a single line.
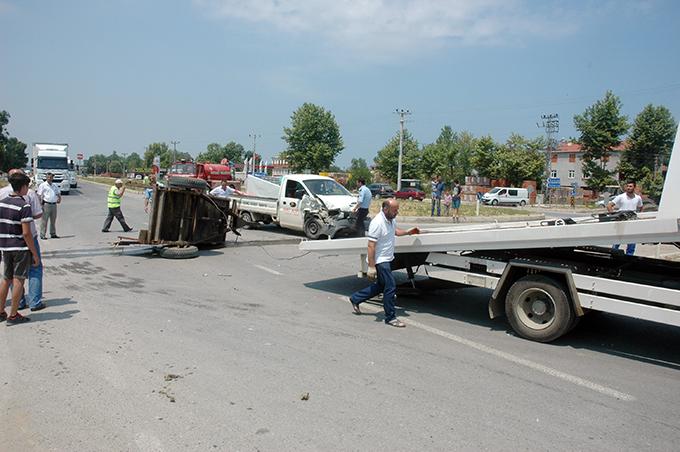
[(468, 220)]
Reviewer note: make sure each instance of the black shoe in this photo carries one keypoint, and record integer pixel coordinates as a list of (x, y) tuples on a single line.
[(42, 237), (128, 230), (39, 307), (18, 318), (54, 236), (105, 230)]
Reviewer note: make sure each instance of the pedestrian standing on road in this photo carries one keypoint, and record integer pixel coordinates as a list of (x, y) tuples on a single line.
[(438, 189), (35, 272), (628, 201), (361, 209), (381, 237), (50, 196), (16, 244), (113, 201), (455, 201), (446, 201), (148, 192)]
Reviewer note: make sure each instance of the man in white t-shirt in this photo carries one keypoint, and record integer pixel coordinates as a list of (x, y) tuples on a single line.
[(35, 273), (50, 196), (381, 233), (626, 201)]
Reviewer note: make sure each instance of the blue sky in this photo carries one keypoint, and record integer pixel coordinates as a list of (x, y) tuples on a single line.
[(118, 75)]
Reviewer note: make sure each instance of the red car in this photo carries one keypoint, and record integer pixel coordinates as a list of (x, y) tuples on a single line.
[(410, 193)]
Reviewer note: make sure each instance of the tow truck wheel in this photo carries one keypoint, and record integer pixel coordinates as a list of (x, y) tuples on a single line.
[(313, 229), (247, 218), (538, 308)]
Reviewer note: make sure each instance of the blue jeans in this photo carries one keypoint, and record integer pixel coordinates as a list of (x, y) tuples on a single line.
[(385, 284), (630, 248), (438, 203), (35, 276)]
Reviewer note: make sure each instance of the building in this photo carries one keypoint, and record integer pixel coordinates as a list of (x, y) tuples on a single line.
[(280, 166), (566, 163)]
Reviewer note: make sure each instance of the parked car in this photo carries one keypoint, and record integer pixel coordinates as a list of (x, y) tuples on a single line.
[(506, 195), (381, 190), (410, 193)]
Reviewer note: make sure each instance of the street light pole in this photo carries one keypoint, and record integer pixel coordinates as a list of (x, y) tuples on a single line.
[(401, 113)]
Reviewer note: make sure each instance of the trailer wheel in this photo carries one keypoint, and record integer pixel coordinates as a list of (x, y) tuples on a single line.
[(187, 182), (247, 219), (538, 308), (176, 252), (312, 229)]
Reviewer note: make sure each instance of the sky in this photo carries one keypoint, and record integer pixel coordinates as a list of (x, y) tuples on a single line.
[(105, 75)]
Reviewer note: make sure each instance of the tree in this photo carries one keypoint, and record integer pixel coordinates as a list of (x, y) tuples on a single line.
[(358, 169), (314, 139), (601, 126), (14, 154), (215, 153), (134, 162), (166, 154), (649, 143), (483, 156), (388, 157), (518, 159)]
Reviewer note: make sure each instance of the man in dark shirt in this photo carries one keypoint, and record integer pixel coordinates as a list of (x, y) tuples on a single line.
[(16, 244)]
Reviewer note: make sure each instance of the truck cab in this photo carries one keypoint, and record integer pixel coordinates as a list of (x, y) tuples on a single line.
[(52, 158), (212, 173)]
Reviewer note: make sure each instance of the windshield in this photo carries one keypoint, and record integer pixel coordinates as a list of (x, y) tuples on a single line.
[(184, 168), (52, 163), (326, 187), (495, 190)]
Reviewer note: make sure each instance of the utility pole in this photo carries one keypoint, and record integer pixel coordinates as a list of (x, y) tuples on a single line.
[(402, 113), (551, 124), (174, 151), (254, 136)]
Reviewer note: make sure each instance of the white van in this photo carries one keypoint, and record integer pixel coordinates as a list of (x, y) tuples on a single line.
[(506, 195)]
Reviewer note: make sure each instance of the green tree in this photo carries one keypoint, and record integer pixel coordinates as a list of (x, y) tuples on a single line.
[(215, 153), (115, 166), (388, 157), (449, 156), (483, 156), (649, 143), (14, 154), (518, 159), (134, 162), (601, 126), (167, 155), (96, 163), (358, 169), (314, 139)]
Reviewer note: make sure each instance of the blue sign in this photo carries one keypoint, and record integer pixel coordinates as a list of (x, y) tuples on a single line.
[(553, 182)]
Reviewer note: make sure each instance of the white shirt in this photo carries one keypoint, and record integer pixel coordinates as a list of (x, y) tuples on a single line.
[(222, 193), (623, 202), (382, 232), (32, 198), (49, 192)]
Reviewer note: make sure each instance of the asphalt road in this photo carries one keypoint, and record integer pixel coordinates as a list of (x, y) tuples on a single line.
[(254, 347)]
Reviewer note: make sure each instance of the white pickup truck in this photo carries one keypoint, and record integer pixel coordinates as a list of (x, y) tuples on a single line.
[(317, 205)]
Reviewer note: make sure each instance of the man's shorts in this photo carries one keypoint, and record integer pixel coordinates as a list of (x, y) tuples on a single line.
[(456, 203), (16, 264)]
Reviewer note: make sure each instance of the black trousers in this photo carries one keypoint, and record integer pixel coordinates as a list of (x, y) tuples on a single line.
[(115, 212), (359, 221)]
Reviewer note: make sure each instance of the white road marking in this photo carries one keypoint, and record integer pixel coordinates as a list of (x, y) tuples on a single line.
[(273, 272), (510, 357)]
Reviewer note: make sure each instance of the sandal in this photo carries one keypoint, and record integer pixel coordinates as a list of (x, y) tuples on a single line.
[(396, 323), (355, 308)]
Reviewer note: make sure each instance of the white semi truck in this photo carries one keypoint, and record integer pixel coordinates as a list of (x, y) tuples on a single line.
[(317, 205), (545, 275), (52, 158)]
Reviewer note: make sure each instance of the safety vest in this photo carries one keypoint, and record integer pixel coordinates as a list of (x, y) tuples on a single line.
[(114, 198)]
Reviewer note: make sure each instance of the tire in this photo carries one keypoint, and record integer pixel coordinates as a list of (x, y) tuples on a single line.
[(312, 228), (538, 308), (410, 198), (494, 202), (187, 182), (176, 252), (522, 203), (247, 219)]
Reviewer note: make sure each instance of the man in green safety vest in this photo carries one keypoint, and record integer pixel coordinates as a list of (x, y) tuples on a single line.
[(115, 193)]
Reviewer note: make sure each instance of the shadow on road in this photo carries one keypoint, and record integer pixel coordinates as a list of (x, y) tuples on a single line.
[(638, 340)]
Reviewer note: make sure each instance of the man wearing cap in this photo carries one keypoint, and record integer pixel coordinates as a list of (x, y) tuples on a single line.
[(115, 193), (50, 196)]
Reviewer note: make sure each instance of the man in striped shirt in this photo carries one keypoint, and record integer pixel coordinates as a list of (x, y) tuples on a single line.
[(16, 244)]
